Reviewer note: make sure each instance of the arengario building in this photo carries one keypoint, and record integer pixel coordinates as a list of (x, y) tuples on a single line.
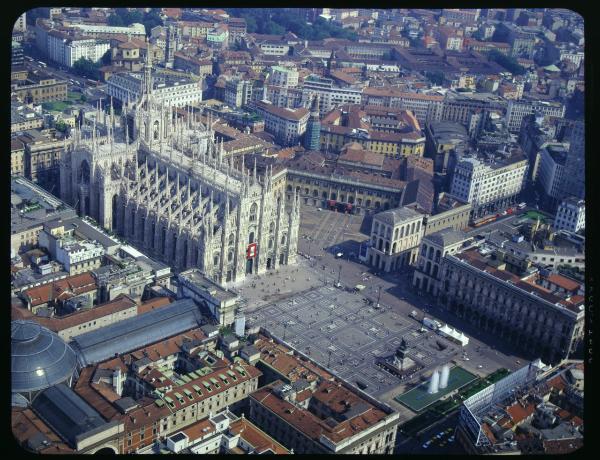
[(166, 186)]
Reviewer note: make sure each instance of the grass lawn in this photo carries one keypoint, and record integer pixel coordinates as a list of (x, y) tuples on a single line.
[(533, 215), (418, 398), (75, 97), (57, 106)]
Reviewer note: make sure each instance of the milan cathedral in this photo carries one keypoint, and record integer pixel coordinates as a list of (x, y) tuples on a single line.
[(164, 184)]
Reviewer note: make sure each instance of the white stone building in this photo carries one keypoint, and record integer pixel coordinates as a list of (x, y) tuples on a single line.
[(286, 77), (489, 186), (329, 95), (570, 215), (517, 110), (134, 30), (167, 188), (287, 125), (551, 168), (428, 276), (177, 92), (395, 238)]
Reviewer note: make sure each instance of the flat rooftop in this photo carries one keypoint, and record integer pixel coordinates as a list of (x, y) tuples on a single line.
[(196, 278), (31, 205)]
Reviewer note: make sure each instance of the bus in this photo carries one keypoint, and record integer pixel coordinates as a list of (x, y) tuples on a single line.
[(521, 205), (485, 220), (43, 64)]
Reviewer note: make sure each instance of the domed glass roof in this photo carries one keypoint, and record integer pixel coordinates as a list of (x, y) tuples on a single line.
[(39, 357)]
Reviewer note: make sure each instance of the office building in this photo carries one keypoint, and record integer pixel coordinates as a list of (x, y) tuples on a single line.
[(490, 186), (570, 215)]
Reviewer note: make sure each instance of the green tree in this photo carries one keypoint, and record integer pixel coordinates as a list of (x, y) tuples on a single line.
[(436, 77), (86, 68), (61, 126), (251, 26), (152, 19), (106, 58), (508, 62), (115, 20)]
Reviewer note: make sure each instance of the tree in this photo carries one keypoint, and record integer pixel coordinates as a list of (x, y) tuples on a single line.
[(251, 26), (86, 68), (509, 63), (436, 77), (115, 20), (151, 20), (61, 126), (106, 58)]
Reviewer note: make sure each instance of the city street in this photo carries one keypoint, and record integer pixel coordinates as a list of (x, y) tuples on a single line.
[(445, 427)]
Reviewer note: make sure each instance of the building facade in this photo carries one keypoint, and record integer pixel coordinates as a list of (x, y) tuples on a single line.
[(330, 96), (488, 187), (501, 304), (395, 238), (428, 276), (517, 110), (570, 215), (179, 92), (287, 125)]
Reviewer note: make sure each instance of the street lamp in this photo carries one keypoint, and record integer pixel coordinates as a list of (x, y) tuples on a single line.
[(339, 274), (378, 296)]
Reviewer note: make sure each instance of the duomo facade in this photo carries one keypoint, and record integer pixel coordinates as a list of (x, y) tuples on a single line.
[(165, 186)]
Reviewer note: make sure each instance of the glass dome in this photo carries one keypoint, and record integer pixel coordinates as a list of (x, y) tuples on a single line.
[(39, 358)]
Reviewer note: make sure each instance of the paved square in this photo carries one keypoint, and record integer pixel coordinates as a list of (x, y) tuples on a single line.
[(337, 329)]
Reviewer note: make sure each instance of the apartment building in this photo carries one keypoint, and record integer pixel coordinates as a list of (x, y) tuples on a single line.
[(17, 155), (307, 410), (95, 31), (23, 118), (238, 92), (31, 206), (425, 107), (286, 77), (42, 158), (551, 171), (39, 88), (177, 92), (76, 255)]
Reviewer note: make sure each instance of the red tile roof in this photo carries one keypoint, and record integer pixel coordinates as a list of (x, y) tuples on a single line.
[(61, 289), (257, 438), (314, 427), (518, 413), (563, 282), (60, 323)]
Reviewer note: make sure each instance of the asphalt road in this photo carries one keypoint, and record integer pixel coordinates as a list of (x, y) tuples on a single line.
[(414, 445), (62, 74)]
